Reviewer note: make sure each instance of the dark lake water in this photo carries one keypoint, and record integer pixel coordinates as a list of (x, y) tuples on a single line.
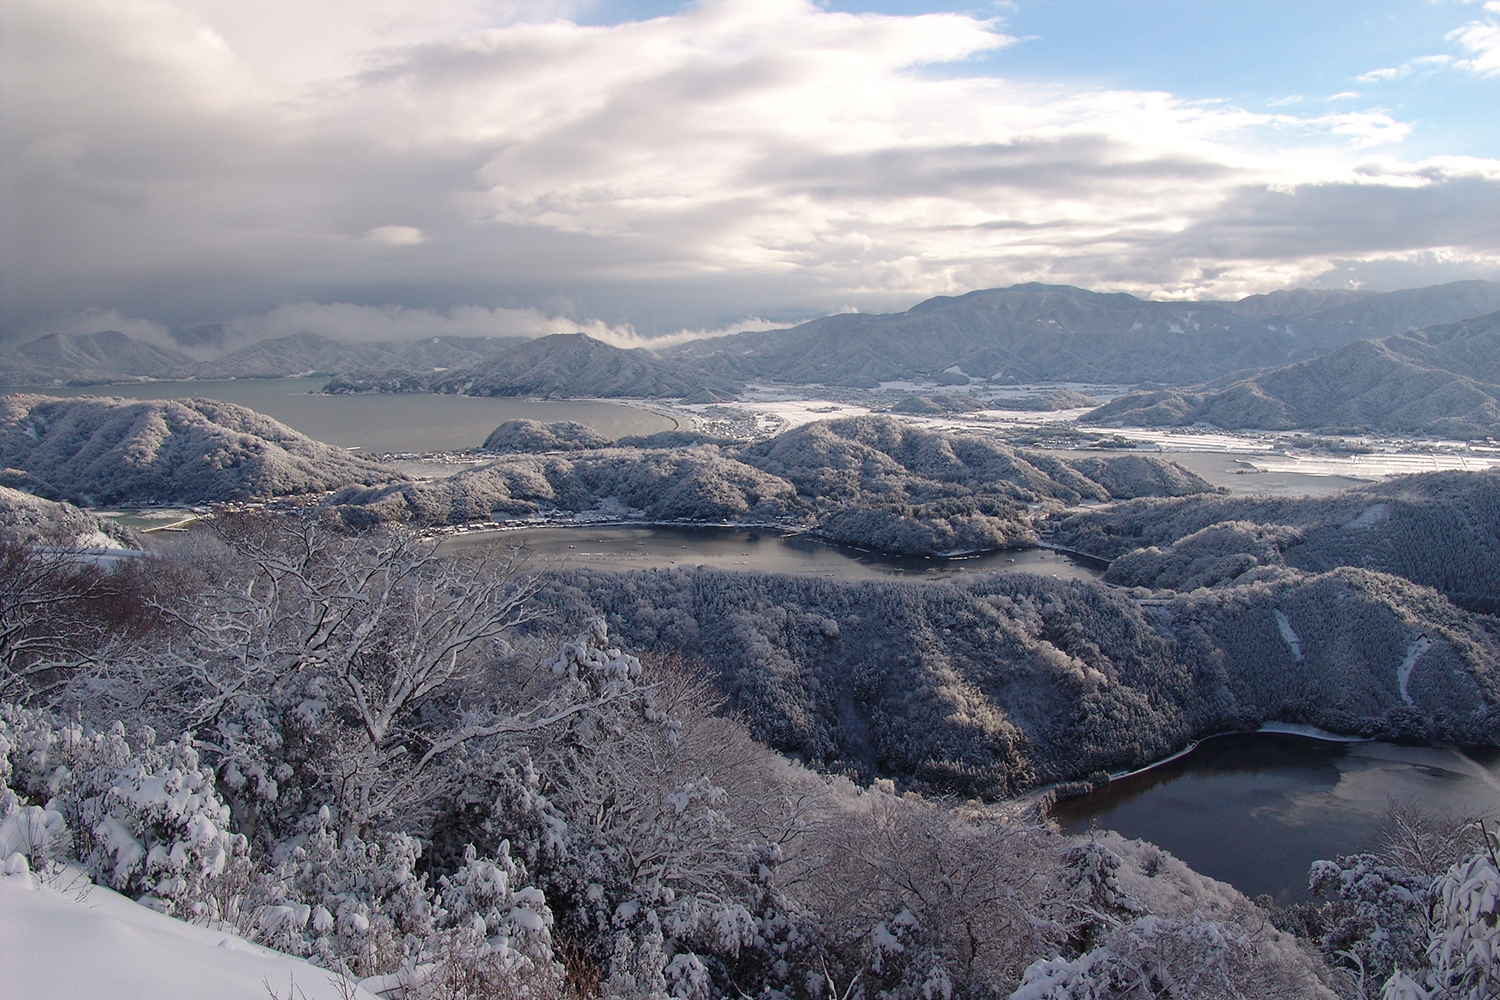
[(398, 422), (756, 551), (1256, 809)]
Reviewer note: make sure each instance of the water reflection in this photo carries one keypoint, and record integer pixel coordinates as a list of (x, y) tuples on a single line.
[(1256, 809), (757, 551)]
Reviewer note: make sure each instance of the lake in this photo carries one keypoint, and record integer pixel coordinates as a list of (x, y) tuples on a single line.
[(396, 422), (1257, 809), (623, 548)]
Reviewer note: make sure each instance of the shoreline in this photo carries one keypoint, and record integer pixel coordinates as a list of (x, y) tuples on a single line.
[(1299, 729)]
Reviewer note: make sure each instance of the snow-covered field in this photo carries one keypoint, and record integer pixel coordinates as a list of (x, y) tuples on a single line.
[(73, 940), (773, 409), (1377, 466)]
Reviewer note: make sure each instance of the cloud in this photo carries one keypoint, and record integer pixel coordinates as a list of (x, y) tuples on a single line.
[(1482, 39), (395, 324), (190, 160), (98, 320), (397, 236), (357, 323)]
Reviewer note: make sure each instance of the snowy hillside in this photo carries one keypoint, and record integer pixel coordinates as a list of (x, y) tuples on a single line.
[(106, 450), (69, 939)]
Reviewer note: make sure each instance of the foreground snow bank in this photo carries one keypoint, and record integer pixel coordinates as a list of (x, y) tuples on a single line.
[(82, 940)]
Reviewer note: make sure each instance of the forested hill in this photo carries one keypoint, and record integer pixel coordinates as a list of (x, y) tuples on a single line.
[(1040, 333), (32, 520), (991, 684), (1354, 612), (102, 450), (872, 482), (1443, 381), (109, 356), (1439, 529), (562, 365)]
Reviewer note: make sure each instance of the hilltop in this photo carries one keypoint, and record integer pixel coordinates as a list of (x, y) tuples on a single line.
[(1443, 381), (82, 359), (106, 450), (1437, 529), (33, 520)]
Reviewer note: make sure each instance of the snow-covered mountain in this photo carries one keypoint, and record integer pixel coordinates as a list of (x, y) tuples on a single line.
[(1443, 381), (1040, 333)]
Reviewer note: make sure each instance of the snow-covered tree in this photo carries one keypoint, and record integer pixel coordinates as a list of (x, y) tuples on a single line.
[(1462, 959), (46, 627), (293, 632), (1146, 958), (143, 817)]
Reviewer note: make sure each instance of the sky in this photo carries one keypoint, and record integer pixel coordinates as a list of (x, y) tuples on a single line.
[(651, 171)]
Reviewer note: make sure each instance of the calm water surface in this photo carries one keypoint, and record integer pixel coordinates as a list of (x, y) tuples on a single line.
[(1256, 809), (755, 551), (398, 422)]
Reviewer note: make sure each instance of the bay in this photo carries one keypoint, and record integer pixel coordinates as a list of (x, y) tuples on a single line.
[(382, 423), (1257, 809)]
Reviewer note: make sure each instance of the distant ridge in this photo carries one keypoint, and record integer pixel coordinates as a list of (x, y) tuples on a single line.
[(111, 356), (1443, 381), (1025, 333), (575, 364), (562, 365), (1042, 333), (90, 357)]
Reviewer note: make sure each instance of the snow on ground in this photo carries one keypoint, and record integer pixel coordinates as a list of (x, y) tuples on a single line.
[(1293, 642), (1379, 465), (796, 412), (80, 941), (1403, 672), (772, 409)]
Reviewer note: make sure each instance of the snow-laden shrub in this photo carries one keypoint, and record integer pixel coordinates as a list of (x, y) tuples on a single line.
[(360, 906), (904, 959), (144, 818), (689, 909), (1375, 923), (1463, 942), (638, 851), (1147, 958), (487, 908), (39, 835), (1091, 877), (349, 904)]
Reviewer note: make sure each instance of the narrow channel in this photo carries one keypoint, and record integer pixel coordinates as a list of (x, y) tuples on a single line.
[(758, 551)]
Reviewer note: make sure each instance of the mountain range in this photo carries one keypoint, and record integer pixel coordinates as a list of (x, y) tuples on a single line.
[(1057, 333), (1297, 358), (1443, 381), (1025, 333)]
